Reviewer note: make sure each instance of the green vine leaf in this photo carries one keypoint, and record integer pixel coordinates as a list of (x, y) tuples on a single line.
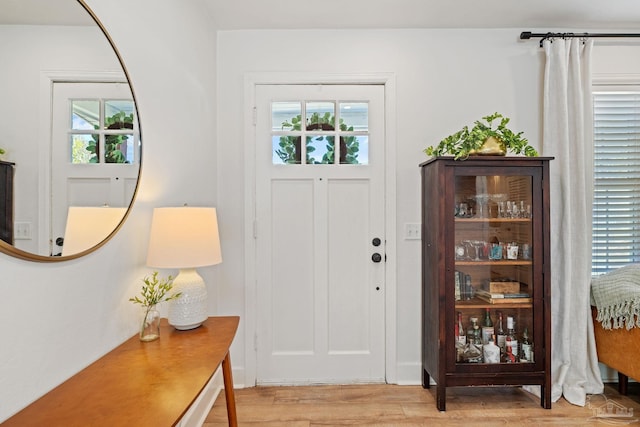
[(466, 141)]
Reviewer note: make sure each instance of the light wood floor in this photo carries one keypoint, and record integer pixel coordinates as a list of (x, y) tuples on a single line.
[(405, 406)]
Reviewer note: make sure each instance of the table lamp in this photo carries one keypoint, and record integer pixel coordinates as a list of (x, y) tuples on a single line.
[(185, 238), (89, 225)]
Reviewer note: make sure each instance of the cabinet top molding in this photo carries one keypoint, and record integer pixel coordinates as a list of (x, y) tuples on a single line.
[(484, 159)]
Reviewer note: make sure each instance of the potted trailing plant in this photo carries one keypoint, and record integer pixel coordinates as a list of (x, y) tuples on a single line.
[(154, 291), (483, 139)]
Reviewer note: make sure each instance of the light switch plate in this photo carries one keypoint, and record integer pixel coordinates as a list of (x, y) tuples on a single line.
[(22, 230), (412, 231)]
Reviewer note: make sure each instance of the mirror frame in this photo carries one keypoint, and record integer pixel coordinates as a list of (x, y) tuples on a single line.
[(28, 256)]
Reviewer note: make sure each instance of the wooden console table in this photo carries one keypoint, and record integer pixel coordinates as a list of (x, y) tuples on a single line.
[(141, 383)]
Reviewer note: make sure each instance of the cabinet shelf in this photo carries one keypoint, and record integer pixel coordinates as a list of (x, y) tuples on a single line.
[(483, 220), (493, 262), (481, 304), (447, 281), (486, 365)]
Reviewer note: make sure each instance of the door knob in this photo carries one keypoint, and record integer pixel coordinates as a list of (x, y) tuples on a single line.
[(376, 241), (376, 257)]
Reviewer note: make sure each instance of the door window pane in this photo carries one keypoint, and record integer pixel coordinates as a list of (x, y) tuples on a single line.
[(118, 148), (319, 115), (354, 116), (286, 116), (84, 148), (320, 150), (85, 114), (354, 150), (286, 150), (118, 114)]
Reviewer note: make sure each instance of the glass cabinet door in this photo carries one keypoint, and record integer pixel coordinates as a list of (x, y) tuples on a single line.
[(494, 279)]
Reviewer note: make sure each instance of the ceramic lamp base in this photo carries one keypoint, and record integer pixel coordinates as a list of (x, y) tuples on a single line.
[(189, 310)]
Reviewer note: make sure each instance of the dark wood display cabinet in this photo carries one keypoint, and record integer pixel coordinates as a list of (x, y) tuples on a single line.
[(6, 201), (486, 318)]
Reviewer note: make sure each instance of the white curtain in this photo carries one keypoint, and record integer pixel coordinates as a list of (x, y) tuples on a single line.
[(568, 136)]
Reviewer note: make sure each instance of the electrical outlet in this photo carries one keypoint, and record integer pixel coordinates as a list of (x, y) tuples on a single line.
[(22, 231), (412, 231)]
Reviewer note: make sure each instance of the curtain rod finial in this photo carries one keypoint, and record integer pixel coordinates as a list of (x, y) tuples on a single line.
[(525, 35)]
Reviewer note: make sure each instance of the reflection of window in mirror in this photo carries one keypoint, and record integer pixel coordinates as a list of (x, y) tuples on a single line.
[(102, 131)]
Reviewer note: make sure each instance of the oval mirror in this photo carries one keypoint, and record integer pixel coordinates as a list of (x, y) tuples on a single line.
[(70, 146)]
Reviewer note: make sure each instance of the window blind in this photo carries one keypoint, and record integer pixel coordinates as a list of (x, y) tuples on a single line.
[(616, 204)]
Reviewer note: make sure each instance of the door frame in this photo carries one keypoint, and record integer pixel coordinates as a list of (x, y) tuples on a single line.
[(251, 80), (45, 137)]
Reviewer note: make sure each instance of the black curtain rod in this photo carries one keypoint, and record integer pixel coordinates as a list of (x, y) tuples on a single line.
[(526, 35)]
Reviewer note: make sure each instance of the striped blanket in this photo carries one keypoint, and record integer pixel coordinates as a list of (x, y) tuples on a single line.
[(616, 296)]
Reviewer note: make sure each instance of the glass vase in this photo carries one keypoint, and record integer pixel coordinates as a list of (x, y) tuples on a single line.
[(150, 325)]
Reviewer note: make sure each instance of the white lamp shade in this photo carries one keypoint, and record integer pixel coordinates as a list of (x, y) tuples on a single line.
[(184, 237), (87, 226)]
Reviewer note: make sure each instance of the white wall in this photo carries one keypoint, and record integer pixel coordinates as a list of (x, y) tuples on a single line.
[(57, 318)]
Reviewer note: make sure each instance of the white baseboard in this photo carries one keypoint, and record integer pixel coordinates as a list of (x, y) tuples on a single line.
[(409, 374)]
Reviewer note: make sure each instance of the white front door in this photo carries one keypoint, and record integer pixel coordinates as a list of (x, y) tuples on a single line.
[(95, 153), (320, 234)]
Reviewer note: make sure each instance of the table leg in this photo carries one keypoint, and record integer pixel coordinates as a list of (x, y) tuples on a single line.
[(228, 391)]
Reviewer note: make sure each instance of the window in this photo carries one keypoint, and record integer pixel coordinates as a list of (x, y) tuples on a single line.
[(320, 132), (616, 207)]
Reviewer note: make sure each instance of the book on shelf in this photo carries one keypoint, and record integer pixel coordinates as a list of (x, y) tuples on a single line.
[(501, 286), (463, 287), (503, 298)]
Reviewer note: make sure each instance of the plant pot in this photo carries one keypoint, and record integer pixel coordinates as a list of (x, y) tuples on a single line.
[(150, 325), (492, 146)]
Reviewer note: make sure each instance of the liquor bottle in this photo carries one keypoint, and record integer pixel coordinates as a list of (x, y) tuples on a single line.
[(468, 288), (473, 349), (509, 357), (474, 334), (526, 348), (471, 331), (491, 352), (461, 339), (460, 332), (500, 334), (477, 333), (487, 327), (511, 342)]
